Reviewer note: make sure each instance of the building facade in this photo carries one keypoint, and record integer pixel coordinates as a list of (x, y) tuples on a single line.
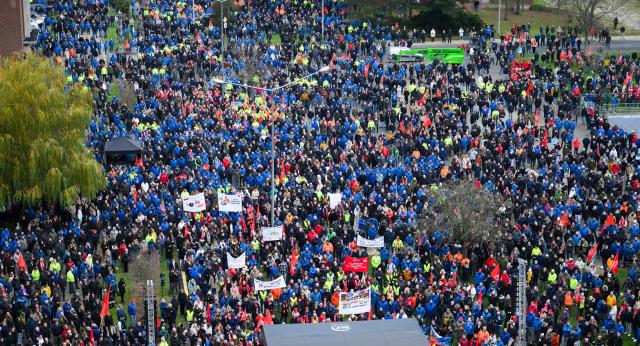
[(15, 25)]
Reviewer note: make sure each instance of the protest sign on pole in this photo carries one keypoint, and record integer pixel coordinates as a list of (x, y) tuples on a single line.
[(272, 233), (236, 263), (229, 203), (269, 285), (194, 204), (357, 302), (334, 199), (354, 264), (364, 242)]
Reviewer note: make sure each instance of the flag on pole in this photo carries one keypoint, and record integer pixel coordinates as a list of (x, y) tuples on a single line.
[(614, 264), (592, 252), (21, 264), (105, 305), (495, 272)]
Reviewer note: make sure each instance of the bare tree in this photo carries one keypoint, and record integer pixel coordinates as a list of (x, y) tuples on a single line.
[(589, 13), (144, 266), (469, 215)]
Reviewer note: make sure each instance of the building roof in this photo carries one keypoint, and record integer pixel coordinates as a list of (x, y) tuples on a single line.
[(122, 145), (405, 332)]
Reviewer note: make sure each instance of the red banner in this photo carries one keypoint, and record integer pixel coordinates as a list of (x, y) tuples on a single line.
[(354, 264)]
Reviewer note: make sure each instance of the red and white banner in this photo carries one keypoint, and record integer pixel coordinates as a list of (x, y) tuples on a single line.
[(236, 263), (269, 285), (194, 204), (272, 233), (229, 203), (354, 264), (375, 243), (355, 302)]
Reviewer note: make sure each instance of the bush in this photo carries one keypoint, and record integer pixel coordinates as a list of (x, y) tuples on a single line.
[(541, 8), (448, 17), (123, 6)]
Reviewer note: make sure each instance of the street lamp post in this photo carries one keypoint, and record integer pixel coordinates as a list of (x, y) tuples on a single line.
[(273, 126)]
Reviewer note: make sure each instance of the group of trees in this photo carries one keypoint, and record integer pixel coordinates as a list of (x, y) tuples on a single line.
[(43, 157), (447, 14)]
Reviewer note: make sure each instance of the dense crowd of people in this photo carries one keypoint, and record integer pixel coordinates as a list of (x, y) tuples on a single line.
[(385, 135)]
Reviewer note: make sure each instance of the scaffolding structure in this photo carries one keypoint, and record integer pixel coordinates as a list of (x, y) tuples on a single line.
[(151, 323), (522, 303)]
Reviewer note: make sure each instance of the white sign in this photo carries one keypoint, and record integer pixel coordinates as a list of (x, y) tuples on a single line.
[(272, 233), (236, 263), (193, 204), (355, 302), (231, 203), (334, 199), (364, 242), (269, 285)]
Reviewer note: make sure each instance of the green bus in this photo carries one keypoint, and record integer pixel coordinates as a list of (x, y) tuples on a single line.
[(446, 55)]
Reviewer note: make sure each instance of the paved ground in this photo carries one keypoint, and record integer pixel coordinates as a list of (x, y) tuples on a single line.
[(628, 122)]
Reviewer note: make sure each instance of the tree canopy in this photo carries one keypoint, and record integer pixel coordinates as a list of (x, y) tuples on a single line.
[(466, 214), (447, 14), (43, 158)]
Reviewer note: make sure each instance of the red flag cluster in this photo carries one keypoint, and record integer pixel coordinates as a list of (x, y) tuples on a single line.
[(354, 264)]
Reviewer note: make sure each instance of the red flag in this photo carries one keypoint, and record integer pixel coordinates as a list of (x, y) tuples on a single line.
[(628, 78), (495, 272), (21, 264), (620, 58), (564, 221), (477, 182), (105, 305), (431, 279), (282, 173), (479, 297), (366, 70), (135, 195), (209, 313), (92, 338), (267, 318), (545, 139), (294, 261), (369, 318), (614, 265), (354, 264), (592, 252), (244, 315)]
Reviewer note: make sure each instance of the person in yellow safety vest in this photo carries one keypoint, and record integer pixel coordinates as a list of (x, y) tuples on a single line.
[(371, 124), (397, 244), (536, 252), (189, 317), (426, 268), (163, 342), (573, 283), (375, 261), (552, 277), (35, 274), (71, 282), (54, 266)]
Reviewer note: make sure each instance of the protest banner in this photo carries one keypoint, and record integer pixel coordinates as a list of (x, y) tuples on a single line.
[(354, 264), (194, 204), (269, 285), (334, 199), (229, 203), (272, 233), (364, 242), (355, 302), (236, 263)]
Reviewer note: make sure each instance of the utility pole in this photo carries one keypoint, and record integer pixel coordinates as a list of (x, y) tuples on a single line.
[(499, 15), (522, 303), (322, 37)]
